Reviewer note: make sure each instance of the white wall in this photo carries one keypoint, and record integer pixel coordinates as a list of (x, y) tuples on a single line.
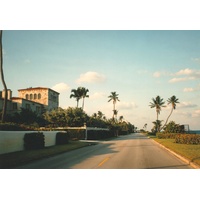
[(11, 141)]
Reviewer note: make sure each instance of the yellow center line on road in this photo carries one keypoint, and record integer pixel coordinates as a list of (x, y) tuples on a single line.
[(101, 163)]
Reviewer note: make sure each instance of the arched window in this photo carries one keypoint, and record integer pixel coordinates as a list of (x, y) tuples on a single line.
[(31, 96), (35, 96), (39, 96), (27, 96)]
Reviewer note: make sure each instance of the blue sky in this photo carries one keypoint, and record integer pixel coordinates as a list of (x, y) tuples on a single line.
[(138, 65)]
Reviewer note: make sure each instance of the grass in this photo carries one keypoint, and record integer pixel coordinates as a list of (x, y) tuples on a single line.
[(189, 151), (12, 160)]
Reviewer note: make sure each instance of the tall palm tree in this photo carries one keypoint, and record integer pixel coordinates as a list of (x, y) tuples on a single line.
[(173, 101), (76, 94), (84, 95), (157, 125), (157, 103), (3, 80), (114, 98)]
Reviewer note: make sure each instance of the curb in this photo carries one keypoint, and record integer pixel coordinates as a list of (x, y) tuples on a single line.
[(192, 164)]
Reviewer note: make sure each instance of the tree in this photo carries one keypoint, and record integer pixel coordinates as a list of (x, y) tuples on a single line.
[(157, 125), (3, 80), (114, 98), (121, 118), (79, 93), (76, 94), (173, 101), (84, 95), (157, 103), (145, 127), (100, 114)]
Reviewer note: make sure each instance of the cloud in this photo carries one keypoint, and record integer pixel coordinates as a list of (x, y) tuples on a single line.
[(175, 80), (156, 74), (126, 105), (186, 105), (188, 89), (91, 77), (185, 72), (60, 87), (186, 75)]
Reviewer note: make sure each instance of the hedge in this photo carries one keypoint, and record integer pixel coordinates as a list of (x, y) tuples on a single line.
[(166, 135), (99, 134), (187, 139), (62, 138), (76, 134), (33, 141)]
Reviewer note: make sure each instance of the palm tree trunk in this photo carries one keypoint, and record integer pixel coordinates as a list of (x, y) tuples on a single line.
[(83, 103), (113, 110), (3, 80), (168, 118)]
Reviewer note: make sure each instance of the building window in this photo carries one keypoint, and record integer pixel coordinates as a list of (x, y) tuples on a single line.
[(39, 96), (27, 96), (31, 96)]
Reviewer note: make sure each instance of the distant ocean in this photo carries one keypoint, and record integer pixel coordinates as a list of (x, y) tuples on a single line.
[(194, 131)]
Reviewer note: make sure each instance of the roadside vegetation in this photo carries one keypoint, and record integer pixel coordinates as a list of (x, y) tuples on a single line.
[(189, 151)]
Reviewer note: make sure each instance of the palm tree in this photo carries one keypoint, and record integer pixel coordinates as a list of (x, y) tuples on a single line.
[(84, 92), (121, 118), (157, 103), (100, 115), (113, 97), (3, 80), (115, 114), (76, 94), (157, 125), (145, 127), (173, 101)]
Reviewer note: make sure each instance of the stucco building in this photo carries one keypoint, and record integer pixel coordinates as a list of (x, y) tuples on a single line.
[(36, 99)]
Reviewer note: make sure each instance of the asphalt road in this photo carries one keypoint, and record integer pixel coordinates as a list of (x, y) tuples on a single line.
[(134, 151)]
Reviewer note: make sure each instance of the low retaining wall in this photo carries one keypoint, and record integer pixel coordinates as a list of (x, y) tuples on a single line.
[(11, 141)]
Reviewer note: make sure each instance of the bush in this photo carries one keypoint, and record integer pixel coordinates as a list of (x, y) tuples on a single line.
[(166, 135), (62, 138), (187, 139), (34, 141), (11, 127), (76, 134), (99, 134)]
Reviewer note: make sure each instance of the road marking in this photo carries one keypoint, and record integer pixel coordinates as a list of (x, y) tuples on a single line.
[(101, 163)]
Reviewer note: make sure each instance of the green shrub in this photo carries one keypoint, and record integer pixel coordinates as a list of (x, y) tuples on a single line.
[(11, 127), (78, 134), (187, 139), (34, 141), (166, 135), (99, 134), (62, 138)]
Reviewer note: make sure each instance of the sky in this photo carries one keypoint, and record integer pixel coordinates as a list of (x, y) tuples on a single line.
[(137, 65)]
